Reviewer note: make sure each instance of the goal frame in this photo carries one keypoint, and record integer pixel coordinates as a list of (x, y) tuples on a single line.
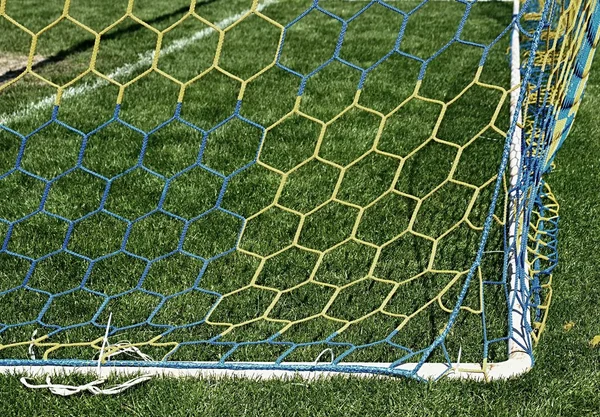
[(519, 360)]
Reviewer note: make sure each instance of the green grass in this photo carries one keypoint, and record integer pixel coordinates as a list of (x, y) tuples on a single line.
[(566, 376), (360, 159)]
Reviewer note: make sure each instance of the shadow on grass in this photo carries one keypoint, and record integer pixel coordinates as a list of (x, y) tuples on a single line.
[(89, 43)]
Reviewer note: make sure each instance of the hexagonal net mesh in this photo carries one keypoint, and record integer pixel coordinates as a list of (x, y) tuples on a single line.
[(244, 184)]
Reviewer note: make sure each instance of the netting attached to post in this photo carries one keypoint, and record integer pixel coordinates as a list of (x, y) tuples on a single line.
[(243, 186)]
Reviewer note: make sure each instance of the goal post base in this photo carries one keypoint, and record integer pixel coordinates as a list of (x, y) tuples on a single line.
[(518, 364)]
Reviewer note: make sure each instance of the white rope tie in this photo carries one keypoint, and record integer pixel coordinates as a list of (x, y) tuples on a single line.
[(324, 351), (456, 367), (316, 362), (104, 343), (30, 350), (125, 347), (93, 387)]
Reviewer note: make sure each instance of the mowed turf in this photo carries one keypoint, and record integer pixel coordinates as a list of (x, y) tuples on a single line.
[(355, 215), (141, 228)]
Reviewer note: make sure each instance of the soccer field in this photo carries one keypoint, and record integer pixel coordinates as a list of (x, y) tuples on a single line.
[(228, 200)]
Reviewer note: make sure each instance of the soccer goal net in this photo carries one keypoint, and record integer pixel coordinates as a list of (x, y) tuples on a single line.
[(271, 188)]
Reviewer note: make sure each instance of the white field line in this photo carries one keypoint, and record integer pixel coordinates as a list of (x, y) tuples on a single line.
[(144, 59)]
